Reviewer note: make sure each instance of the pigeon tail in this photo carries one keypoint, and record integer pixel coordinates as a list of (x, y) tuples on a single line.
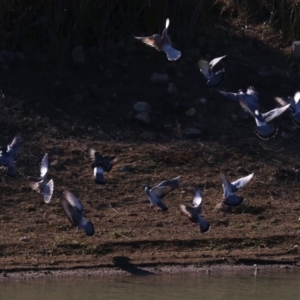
[(172, 54), (11, 171), (99, 178), (204, 225), (266, 132)]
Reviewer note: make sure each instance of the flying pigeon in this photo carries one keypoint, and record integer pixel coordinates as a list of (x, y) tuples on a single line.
[(294, 106), (162, 43), (250, 97), (206, 68), (194, 213), (263, 129), (9, 155), (100, 164), (40, 184), (158, 192), (229, 189), (74, 210)]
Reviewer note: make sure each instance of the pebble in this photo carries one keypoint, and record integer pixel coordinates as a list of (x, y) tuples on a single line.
[(159, 78), (147, 136), (202, 100), (142, 106), (191, 112), (192, 132), (172, 89), (143, 117)]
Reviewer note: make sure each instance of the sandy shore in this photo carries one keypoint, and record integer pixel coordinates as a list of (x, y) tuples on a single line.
[(137, 270)]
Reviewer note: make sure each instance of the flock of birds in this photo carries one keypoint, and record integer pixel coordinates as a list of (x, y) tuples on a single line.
[(249, 101), (103, 163)]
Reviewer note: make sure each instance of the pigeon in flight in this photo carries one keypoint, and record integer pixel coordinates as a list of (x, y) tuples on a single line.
[(40, 184), (294, 106), (263, 129), (229, 189), (194, 213), (206, 68), (162, 43), (9, 155), (74, 210), (158, 192), (250, 97), (100, 164)]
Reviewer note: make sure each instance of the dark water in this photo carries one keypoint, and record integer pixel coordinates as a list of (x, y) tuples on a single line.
[(281, 285)]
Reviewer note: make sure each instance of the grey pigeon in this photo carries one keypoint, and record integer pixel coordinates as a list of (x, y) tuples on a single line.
[(9, 155), (206, 68), (158, 192), (100, 164), (162, 43), (229, 189), (74, 210), (40, 184), (263, 129), (250, 97), (294, 106), (194, 213)]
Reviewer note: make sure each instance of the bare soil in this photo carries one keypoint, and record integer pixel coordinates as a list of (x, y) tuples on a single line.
[(65, 110)]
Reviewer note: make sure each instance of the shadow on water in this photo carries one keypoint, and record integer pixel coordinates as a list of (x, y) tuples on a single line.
[(123, 262)]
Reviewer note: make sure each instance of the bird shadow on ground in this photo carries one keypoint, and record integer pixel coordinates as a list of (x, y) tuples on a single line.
[(124, 263)]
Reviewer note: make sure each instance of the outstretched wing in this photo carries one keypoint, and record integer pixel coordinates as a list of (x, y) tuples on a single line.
[(216, 61), (232, 96), (242, 182), (272, 114), (44, 165), (48, 191), (153, 41), (73, 201), (197, 199)]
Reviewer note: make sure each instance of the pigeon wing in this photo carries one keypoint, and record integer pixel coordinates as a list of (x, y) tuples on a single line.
[(48, 191), (173, 183), (227, 187), (232, 96), (16, 143), (153, 41), (216, 61), (161, 191), (72, 213), (281, 101), (73, 201), (242, 182), (197, 199), (44, 165), (297, 97), (247, 109), (14, 146), (272, 114)]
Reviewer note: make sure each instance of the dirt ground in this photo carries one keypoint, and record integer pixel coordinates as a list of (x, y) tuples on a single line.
[(64, 110)]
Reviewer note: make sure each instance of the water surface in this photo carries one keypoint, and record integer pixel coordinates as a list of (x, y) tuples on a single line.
[(231, 286)]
